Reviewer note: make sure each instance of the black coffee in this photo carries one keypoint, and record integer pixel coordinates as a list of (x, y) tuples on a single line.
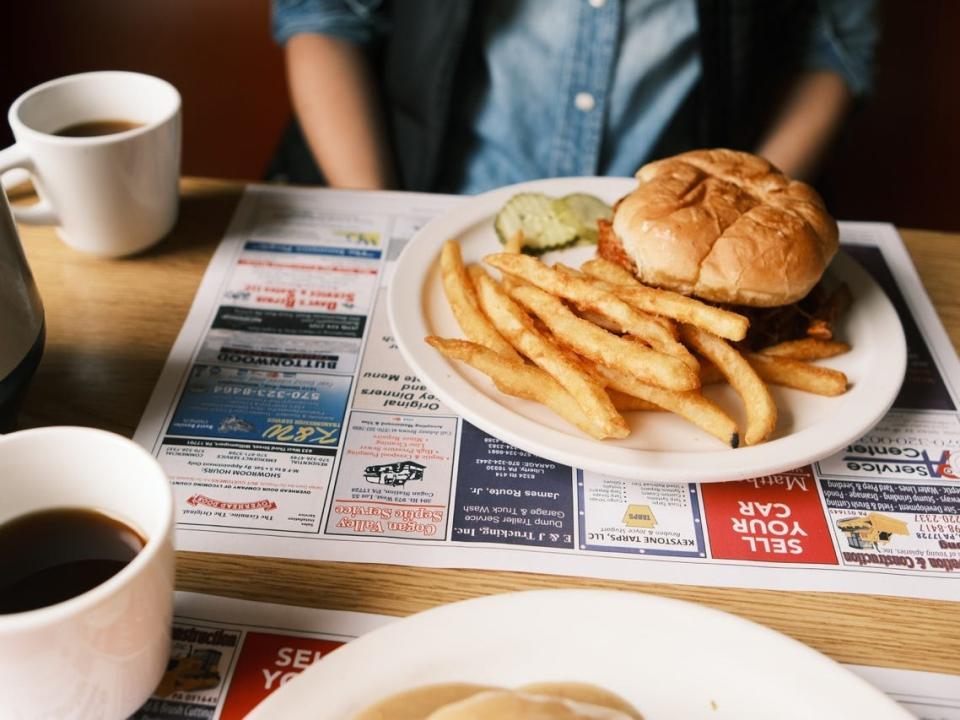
[(93, 128), (50, 556)]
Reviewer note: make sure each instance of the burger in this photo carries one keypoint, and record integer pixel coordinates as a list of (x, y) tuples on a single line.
[(731, 229)]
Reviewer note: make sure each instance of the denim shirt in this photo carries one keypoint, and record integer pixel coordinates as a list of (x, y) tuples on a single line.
[(577, 87)]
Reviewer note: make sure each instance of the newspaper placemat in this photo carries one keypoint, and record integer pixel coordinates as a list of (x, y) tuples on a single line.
[(290, 426), (228, 655)]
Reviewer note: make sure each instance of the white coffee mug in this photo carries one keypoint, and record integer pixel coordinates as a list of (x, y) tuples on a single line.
[(110, 195), (102, 653)]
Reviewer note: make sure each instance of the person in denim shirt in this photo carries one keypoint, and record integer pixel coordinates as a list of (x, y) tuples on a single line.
[(459, 96)]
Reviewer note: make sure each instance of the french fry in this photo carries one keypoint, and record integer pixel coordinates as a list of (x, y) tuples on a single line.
[(724, 323), (515, 325), (514, 244), (807, 349), (798, 375), (626, 403), (665, 342), (690, 405), (474, 272), (593, 317), (710, 374), (761, 410), (515, 377), (644, 325), (604, 269), (461, 294), (506, 282), (598, 345), (613, 288), (586, 295)]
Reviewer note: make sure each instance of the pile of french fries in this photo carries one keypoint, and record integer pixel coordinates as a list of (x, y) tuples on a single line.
[(593, 342)]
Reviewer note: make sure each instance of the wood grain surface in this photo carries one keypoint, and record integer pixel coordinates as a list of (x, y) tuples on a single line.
[(110, 325)]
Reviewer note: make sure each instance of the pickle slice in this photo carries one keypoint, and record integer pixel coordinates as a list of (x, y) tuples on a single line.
[(587, 209), (545, 223)]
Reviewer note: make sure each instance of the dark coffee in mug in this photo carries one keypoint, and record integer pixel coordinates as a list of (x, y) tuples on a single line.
[(94, 128), (50, 556)]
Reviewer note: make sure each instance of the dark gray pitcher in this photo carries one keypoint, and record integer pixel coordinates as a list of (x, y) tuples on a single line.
[(21, 320)]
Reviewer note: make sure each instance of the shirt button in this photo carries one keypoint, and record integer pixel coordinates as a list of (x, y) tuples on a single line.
[(597, 3), (584, 101)]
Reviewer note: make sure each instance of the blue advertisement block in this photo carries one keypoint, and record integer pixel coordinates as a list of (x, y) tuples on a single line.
[(506, 495), (242, 404)]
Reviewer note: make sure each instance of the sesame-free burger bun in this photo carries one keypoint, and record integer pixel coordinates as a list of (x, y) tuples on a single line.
[(722, 225)]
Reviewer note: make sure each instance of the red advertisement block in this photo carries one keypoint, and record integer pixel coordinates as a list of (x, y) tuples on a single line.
[(778, 518), (266, 662)]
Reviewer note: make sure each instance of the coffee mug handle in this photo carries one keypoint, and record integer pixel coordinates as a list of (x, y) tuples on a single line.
[(41, 212)]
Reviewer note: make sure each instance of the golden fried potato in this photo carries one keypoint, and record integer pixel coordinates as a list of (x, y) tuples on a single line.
[(798, 375), (459, 289), (761, 410), (690, 405), (726, 324), (626, 403), (807, 349), (515, 243), (587, 296), (515, 325), (517, 378), (598, 345)]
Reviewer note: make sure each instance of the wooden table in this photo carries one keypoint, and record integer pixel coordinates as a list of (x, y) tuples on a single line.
[(110, 325)]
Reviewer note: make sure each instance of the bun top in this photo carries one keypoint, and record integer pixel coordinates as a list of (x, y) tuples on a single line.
[(726, 226)]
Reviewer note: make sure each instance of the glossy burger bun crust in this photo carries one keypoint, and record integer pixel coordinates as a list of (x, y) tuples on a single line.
[(722, 225)]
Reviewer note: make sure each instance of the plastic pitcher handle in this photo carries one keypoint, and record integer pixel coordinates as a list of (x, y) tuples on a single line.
[(41, 212)]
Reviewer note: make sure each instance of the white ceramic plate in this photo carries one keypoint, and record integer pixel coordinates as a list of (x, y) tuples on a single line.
[(662, 446), (670, 659)]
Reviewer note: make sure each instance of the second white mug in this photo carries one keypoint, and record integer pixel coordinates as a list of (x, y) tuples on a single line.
[(110, 195), (100, 654)]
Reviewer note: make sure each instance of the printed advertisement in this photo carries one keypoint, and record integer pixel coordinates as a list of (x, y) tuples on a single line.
[(195, 681), (908, 446), (281, 275), (288, 421), (299, 408), (394, 477), (629, 516), (247, 485), (506, 495), (327, 219), (913, 527), (778, 518), (266, 351), (267, 661)]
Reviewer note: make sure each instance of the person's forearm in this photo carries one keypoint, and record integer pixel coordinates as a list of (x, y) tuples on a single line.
[(335, 100), (811, 116)]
